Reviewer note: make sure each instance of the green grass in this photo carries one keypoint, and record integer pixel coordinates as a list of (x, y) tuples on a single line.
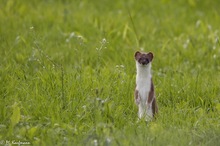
[(67, 72)]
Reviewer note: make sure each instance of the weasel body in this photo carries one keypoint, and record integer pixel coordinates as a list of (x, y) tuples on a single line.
[(144, 91)]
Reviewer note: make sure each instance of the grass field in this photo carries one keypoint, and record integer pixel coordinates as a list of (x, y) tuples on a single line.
[(67, 72)]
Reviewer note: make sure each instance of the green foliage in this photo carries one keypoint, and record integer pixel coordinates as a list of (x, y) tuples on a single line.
[(67, 71), (15, 115)]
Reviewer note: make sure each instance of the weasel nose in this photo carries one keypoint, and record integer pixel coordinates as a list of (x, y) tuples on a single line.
[(145, 62)]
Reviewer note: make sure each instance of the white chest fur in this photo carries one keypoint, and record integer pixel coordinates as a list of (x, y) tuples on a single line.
[(143, 86), (143, 80)]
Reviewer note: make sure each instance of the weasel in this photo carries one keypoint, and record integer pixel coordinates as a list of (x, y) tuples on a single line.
[(144, 91)]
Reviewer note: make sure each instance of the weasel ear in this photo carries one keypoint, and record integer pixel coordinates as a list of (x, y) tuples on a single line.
[(137, 55), (150, 55)]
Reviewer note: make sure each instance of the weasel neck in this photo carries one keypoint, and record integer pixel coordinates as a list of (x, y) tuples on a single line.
[(143, 71)]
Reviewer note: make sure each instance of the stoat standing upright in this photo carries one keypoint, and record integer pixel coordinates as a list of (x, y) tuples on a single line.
[(144, 91)]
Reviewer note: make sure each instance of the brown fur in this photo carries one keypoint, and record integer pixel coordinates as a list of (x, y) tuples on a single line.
[(152, 97), (136, 96)]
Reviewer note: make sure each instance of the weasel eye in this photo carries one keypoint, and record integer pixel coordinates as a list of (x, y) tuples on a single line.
[(147, 60), (140, 59)]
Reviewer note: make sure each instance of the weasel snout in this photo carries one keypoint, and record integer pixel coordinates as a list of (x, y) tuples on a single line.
[(143, 61)]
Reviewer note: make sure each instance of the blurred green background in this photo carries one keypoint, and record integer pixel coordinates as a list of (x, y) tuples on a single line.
[(67, 71)]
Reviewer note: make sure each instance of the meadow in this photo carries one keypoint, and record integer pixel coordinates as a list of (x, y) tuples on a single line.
[(67, 72)]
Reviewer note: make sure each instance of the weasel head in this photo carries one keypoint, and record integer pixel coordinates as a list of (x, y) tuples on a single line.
[(143, 59)]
